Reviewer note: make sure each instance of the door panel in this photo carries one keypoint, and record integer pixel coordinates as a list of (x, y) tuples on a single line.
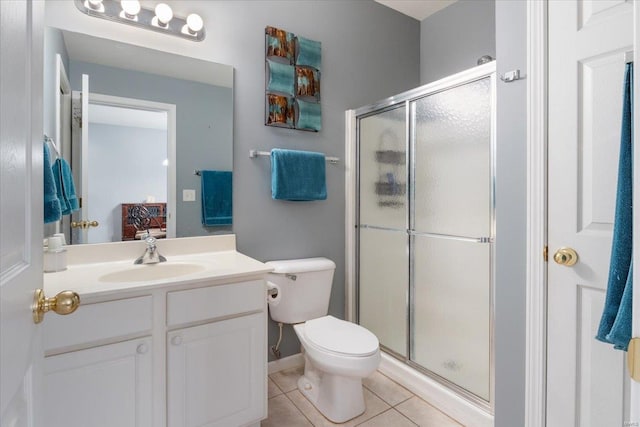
[(598, 405), (21, 210), (600, 93), (585, 378)]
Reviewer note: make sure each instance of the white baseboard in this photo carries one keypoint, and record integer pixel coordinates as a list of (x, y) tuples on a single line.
[(435, 393), (289, 362)]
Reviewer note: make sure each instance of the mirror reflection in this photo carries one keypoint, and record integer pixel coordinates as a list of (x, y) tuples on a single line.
[(135, 124)]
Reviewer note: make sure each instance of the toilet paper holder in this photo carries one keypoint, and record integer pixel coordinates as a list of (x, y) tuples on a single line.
[(272, 292)]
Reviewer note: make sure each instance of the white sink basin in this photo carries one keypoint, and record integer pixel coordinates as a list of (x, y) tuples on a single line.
[(148, 272)]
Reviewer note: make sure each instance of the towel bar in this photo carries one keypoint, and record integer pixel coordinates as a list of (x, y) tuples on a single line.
[(256, 153)]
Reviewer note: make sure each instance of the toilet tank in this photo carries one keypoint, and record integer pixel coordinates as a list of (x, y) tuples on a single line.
[(305, 285)]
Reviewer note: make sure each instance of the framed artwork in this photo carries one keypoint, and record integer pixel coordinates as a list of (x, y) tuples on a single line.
[(292, 81)]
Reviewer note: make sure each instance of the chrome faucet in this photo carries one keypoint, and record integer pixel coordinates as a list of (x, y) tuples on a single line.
[(150, 255)]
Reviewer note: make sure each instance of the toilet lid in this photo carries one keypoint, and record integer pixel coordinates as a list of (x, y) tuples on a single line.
[(340, 336)]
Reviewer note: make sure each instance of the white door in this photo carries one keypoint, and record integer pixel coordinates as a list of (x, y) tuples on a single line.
[(21, 210), (587, 384), (80, 157)]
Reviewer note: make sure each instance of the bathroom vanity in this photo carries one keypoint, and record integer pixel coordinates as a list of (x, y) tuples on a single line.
[(181, 343)]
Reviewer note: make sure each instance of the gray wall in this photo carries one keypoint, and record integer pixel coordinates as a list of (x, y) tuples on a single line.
[(363, 60), (452, 39), (203, 127), (511, 190), (125, 166)]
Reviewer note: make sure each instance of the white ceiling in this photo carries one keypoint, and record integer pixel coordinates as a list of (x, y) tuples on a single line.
[(418, 9)]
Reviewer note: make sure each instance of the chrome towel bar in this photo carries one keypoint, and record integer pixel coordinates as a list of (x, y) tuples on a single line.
[(256, 153)]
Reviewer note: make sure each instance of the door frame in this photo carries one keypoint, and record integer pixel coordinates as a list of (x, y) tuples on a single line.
[(536, 274), (536, 265)]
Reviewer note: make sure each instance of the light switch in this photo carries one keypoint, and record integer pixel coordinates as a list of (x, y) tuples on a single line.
[(188, 195)]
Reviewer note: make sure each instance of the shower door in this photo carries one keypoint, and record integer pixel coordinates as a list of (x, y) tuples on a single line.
[(426, 228)]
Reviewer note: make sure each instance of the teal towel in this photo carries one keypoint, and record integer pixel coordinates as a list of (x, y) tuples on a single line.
[(52, 210), (298, 175), (217, 198), (615, 324), (65, 186)]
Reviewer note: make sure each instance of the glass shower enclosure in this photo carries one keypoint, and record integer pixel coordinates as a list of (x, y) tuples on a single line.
[(425, 222)]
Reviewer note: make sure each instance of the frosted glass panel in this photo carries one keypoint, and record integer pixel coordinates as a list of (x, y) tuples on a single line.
[(383, 171), (452, 161), (384, 271), (451, 321)]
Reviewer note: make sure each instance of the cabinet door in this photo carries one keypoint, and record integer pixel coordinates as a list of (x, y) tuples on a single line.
[(104, 386), (217, 373)]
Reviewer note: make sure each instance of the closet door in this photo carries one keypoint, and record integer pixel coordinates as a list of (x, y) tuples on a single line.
[(383, 268), (451, 231)]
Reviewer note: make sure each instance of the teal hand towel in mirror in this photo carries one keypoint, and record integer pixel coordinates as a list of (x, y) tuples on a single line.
[(52, 210), (298, 175), (65, 186), (216, 192), (615, 324)]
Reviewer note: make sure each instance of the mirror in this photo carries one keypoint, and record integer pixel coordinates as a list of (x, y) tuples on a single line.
[(135, 124)]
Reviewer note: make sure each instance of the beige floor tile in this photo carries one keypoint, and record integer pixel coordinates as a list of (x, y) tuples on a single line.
[(283, 413), (273, 390), (388, 419), (425, 415), (388, 390), (373, 406), (287, 380)]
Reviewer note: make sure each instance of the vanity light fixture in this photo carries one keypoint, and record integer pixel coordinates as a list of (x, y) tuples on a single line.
[(160, 19)]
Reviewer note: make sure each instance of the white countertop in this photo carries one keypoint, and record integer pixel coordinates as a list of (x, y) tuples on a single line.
[(89, 267)]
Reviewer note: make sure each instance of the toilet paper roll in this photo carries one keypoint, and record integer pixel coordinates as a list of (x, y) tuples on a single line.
[(274, 294)]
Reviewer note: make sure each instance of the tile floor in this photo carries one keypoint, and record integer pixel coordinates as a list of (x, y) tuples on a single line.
[(388, 405)]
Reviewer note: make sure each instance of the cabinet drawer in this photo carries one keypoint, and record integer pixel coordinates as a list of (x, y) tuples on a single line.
[(195, 305), (97, 322)]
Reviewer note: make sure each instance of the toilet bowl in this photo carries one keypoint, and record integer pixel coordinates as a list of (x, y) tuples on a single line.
[(337, 353)]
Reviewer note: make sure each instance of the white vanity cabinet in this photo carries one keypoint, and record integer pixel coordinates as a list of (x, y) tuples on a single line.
[(104, 386), (95, 373), (178, 356), (216, 370)]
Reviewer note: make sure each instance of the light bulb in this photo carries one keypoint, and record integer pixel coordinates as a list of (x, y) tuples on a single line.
[(130, 8), (164, 13), (194, 22), (95, 4)]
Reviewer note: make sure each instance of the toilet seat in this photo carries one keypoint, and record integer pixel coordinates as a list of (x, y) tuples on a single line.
[(340, 337)]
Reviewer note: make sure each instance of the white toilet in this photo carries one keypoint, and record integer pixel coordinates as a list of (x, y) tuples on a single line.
[(338, 354)]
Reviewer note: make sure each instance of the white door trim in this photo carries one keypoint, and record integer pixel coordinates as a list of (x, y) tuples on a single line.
[(635, 386), (536, 337)]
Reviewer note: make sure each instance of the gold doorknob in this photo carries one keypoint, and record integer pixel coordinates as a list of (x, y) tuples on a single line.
[(84, 224), (566, 256), (66, 302)]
